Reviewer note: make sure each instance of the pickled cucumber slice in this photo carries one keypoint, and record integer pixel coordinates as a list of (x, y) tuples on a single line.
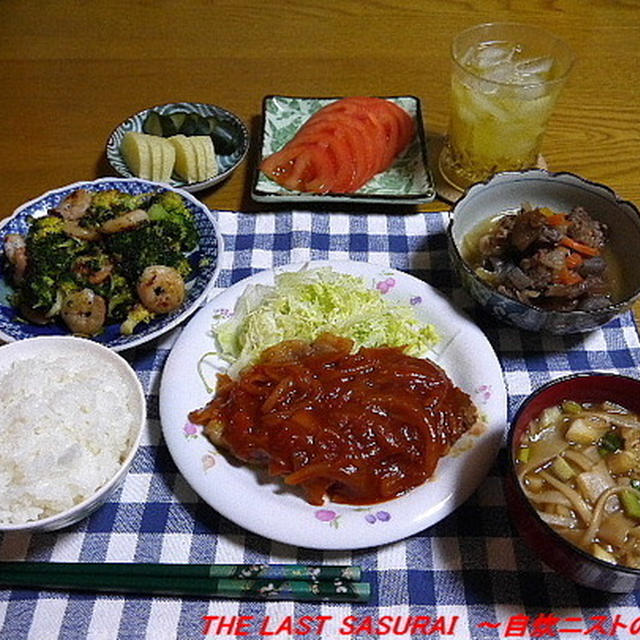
[(186, 166), (225, 138), (190, 125), (153, 124), (175, 121), (136, 153)]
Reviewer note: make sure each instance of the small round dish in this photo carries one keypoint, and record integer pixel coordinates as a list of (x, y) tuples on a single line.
[(82, 353), (226, 163), (12, 327), (562, 191), (261, 504), (557, 552)]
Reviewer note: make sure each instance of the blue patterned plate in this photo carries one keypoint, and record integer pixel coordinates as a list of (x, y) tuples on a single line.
[(226, 163), (407, 181), (12, 328)]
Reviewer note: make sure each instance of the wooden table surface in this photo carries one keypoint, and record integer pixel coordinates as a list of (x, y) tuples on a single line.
[(72, 70)]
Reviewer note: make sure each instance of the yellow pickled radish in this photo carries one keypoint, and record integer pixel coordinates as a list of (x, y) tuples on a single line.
[(137, 154), (186, 165)]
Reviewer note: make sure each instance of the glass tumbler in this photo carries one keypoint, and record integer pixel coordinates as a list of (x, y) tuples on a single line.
[(505, 81)]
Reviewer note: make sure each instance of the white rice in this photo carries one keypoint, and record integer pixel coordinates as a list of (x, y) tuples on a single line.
[(65, 426)]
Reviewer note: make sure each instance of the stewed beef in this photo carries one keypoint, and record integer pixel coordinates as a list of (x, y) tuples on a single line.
[(546, 259), (584, 229)]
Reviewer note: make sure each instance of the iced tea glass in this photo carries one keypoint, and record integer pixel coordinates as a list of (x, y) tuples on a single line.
[(505, 81)]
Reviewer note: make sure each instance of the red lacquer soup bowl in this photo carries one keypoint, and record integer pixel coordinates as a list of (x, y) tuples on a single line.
[(554, 550)]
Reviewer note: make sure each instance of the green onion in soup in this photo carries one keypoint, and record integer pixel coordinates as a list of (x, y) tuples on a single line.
[(579, 465)]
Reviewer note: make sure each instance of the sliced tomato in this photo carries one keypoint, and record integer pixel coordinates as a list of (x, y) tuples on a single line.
[(398, 124), (279, 164), (320, 175), (339, 144), (287, 167), (370, 112), (338, 151), (342, 145), (361, 142)]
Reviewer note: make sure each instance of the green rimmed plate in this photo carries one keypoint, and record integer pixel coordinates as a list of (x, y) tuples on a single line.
[(407, 181)]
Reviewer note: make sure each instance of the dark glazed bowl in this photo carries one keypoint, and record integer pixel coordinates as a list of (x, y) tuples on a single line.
[(560, 192), (551, 547)]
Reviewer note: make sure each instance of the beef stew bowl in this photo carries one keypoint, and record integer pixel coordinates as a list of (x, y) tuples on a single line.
[(573, 452), (546, 251)]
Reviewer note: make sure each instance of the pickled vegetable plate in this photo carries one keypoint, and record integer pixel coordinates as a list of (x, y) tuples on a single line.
[(227, 159)]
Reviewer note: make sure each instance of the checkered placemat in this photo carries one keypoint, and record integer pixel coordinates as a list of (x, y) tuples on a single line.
[(469, 576)]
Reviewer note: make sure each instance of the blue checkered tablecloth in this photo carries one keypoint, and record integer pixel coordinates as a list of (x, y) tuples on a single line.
[(470, 568)]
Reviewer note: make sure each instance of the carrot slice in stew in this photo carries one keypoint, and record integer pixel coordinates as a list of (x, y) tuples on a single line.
[(579, 247)]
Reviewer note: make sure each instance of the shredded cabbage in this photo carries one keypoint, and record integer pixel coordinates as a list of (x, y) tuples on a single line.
[(303, 304)]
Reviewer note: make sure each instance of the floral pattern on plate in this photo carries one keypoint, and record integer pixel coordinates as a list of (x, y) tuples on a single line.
[(407, 181)]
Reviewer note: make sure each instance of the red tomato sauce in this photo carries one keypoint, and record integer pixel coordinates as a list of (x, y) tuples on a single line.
[(357, 428)]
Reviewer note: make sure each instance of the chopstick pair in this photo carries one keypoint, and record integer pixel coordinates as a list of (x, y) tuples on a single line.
[(243, 582)]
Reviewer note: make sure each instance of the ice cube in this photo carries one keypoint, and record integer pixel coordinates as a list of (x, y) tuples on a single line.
[(504, 72), (534, 69), (489, 54)]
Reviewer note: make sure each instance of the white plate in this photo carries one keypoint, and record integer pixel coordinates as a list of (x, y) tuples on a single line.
[(263, 505)]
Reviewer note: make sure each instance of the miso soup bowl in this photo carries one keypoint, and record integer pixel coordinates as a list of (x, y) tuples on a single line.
[(560, 192), (554, 550)]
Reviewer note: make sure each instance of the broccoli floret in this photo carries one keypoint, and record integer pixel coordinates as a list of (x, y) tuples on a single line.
[(120, 296), (118, 201), (178, 221), (51, 252), (145, 246), (45, 225), (138, 314)]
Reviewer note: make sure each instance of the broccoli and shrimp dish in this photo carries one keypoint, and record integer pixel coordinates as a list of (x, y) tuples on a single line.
[(101, 258)]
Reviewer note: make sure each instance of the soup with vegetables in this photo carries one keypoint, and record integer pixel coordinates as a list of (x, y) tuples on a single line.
[(579, 465)]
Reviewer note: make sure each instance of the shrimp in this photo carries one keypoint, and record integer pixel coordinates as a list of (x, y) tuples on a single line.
[(15, 248), (125, 221), (84, 312), (72, 228), (75, 205), (161, 289)]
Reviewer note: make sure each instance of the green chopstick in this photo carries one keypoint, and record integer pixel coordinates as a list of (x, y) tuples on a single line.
[(337, 590), (242, 571)]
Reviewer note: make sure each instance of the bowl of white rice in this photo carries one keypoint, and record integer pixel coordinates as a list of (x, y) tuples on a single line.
[(71, 418)]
